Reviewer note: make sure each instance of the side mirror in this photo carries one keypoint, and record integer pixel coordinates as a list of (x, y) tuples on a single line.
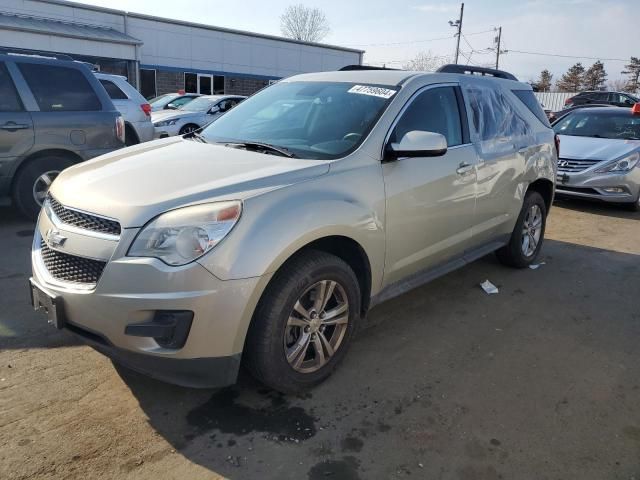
[(214, 110), (418, 144)]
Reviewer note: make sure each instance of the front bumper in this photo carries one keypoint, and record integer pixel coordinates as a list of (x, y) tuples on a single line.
[(131, 291), (169, 131), (588, 184)]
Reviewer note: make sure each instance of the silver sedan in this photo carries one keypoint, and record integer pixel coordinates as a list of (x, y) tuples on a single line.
[(600, 155)]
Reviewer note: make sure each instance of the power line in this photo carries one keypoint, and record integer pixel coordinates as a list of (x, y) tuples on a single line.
[(567, 56), (408, 42)]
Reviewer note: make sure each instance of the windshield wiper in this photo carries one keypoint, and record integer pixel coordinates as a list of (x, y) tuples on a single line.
[(258, 146)]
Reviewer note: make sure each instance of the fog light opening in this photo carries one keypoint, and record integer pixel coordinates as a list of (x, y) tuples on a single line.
[(169, 328), (614, 190)]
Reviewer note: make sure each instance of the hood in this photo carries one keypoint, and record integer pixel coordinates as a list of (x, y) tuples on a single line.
[(170, 114), (135, 184), (591, 148)]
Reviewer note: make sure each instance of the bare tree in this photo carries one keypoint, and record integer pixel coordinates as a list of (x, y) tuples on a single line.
[(424, 62), (304, 23), (617, 85)]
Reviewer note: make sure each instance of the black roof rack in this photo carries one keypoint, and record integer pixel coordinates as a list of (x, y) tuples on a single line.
[(469, 69), (348, 68), (34, 53)]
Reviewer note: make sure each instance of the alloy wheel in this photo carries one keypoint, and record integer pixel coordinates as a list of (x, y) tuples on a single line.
[(531, 230), (42, 184), (316, 326)]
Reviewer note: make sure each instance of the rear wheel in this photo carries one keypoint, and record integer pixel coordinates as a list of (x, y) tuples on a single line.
[(130, 136), (304, 322), (528, 234), (33, 181)]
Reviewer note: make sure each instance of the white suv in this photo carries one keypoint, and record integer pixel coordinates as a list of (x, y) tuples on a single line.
[(134, 108)]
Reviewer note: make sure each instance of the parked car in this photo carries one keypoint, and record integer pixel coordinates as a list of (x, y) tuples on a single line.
[(619, 99), (266, 238), (135, 110), (194, 115), (554, 116), (171, 101), (600, 155), (53, 113)]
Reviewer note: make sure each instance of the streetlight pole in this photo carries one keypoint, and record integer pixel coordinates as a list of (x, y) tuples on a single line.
[(458, 23), (499, 37)]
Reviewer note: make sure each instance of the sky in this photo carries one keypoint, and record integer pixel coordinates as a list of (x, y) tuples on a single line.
[(393, 32)]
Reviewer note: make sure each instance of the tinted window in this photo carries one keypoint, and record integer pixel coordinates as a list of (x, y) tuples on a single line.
[(191, 82), (600, 97), (9, 100), (59, 89), (148, 83), (601, 124), (529, 99), (435, 110), (113, 90)]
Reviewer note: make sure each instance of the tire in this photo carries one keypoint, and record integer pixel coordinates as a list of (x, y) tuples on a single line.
[(270, 339), (25, 186), (514, 254), (130, 136), (635, 206), (188, 128)]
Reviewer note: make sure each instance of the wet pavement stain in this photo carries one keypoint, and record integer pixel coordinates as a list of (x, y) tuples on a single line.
[(351, 444), (25, 233), (345, 469), (222, 412)]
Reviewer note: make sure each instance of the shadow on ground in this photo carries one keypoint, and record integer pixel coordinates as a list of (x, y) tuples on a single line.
[(597, 208), (446, 382)]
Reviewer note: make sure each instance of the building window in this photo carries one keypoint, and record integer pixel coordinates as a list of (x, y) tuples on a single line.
[(148, 83), (191, 83), (218, 84)]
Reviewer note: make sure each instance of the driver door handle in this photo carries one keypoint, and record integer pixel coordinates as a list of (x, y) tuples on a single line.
[(464, 168), (14, 126)]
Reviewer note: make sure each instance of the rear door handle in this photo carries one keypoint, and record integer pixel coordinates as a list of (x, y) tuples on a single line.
[(14, 126), (464, 168)]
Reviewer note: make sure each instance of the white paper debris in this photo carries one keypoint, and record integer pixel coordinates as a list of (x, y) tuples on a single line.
[(489, 287), (535, 266)]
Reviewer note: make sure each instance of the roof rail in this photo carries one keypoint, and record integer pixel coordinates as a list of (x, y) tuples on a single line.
[(348, 68), (469, 69), (34, 53)]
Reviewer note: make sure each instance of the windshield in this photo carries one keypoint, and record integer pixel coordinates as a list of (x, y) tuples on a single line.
[(600, 124), (162, 98), (317, 120), (201, 104)]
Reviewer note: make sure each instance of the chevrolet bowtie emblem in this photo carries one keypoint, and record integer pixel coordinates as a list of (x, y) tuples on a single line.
[(54, 239)]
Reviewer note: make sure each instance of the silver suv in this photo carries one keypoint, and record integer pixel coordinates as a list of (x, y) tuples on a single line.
[(268, 237)]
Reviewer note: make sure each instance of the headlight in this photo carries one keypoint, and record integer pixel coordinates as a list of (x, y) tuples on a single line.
[(623, 165), (183, 235), (166, 123)]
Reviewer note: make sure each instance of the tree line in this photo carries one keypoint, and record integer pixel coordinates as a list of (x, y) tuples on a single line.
[(578, 78)]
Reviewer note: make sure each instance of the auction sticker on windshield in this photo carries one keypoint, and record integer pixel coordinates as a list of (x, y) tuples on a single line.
[(373, 91)]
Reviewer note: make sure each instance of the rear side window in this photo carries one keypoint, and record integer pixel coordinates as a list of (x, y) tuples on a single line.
[(113, 90), (9, 100), (434, 110), (60, 89), (529, 99)]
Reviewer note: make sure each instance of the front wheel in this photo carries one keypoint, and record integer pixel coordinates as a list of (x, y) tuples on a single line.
[(188, 129), (304, 322), (528, 235)]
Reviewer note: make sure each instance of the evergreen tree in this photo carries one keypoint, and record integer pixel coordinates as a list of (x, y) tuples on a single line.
[(595, 77), (632, 70), (543, 84), (572, 80)]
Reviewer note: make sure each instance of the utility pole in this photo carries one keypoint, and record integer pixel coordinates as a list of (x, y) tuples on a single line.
[(458, 23), (498, 38)]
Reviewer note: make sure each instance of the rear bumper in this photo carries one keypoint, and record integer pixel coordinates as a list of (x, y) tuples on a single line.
[(607, 187)]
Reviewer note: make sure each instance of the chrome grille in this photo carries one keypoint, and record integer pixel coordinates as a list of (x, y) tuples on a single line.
[(572, 166), (70, 268), (83, 220)]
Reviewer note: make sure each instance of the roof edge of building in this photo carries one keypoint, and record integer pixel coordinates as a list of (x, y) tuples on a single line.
[(143, 16)]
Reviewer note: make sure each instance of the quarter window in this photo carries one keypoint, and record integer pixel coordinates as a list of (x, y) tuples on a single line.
[(434, 110), (9, 100), (59, 89), (113, 90)]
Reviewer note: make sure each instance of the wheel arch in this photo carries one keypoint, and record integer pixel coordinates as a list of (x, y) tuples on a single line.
[(545, 188), (58, 152)]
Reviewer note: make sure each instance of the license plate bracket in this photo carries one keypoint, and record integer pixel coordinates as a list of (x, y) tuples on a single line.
[(50, 304)]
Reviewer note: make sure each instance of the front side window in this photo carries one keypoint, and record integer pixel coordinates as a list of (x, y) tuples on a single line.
[(600, 124), (60, 89), (113, 90), (434, 110), (200, 104), (317, 120), (9, 100)]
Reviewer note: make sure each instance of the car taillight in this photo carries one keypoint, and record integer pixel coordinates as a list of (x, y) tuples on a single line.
[(146, 108), (557, 141), (635, 110), (120, 128)]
